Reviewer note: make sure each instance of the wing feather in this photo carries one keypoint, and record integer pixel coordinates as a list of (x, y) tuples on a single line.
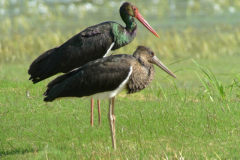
[(102, 75), (88, 45)]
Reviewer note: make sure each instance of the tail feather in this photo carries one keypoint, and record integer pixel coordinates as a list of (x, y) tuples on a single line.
[(39, 69), (46, 99), (55, 82)]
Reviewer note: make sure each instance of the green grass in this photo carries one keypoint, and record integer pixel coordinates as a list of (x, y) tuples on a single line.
[(171, 45), (193, 117), (149, 126), (148, 129)]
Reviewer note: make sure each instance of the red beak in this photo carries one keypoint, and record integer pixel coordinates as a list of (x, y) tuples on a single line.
[(144, 22)]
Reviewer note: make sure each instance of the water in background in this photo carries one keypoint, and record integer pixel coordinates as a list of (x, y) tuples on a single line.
[(24, 16)]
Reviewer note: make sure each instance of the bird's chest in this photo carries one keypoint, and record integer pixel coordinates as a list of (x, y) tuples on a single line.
[(123, 37), (140, 79)]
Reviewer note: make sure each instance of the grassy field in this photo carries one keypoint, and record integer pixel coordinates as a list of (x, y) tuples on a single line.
[(193, 117), (161, 122)]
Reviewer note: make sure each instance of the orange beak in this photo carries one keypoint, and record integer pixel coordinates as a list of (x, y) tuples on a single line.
[(144, 22)]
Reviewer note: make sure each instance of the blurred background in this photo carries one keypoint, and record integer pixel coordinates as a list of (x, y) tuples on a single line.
[(187, 28), (204, 30)]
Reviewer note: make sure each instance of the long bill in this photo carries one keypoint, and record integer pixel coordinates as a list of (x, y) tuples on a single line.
[(162, 66), (145, 23)]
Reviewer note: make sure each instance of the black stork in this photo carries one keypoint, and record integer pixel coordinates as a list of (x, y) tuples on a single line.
[(115, 73), (92, 43)]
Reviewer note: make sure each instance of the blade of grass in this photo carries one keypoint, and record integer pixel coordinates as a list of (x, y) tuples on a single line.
[(206, 86)]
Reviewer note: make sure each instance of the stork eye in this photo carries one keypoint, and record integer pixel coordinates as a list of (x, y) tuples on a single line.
[(151, 53)]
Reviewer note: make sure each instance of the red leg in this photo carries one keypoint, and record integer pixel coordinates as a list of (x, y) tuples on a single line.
[(91, 120), (99, 113)]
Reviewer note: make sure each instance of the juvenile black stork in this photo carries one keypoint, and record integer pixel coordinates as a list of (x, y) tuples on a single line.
[(92, 43), (115, 73)]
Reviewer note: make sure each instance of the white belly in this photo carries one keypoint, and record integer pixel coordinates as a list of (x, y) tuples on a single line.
[(109, 52)]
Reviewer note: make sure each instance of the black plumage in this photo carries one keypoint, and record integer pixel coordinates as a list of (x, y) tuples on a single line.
[(104, 75), (84, 47), (92, 43), (91, 78)]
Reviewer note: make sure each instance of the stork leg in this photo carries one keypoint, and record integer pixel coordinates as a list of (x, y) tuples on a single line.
[(112, 119), (91, 120), (99, 113)]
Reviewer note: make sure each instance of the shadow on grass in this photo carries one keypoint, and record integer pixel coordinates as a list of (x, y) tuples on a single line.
[(17, 151), (46, 152)]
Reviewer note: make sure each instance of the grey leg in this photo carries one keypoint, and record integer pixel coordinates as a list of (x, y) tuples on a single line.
[(112, 119)]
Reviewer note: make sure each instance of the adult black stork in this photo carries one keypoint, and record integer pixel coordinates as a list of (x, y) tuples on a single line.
[(92, 43), (115, 73)]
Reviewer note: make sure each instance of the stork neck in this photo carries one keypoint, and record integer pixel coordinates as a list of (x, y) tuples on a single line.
[(142, 77), (123, 35), (130, 23)]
